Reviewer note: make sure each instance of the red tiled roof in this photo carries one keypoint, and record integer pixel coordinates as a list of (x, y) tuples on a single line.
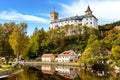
[(47, 55), (66, 53)]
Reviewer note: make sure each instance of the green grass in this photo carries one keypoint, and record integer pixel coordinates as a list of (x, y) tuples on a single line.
[(6, 67)]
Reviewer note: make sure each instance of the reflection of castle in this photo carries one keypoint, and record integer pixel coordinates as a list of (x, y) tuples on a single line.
[(88, 19)]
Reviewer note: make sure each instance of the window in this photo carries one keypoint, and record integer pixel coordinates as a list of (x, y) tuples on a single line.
[(91, 18), (90, 22)]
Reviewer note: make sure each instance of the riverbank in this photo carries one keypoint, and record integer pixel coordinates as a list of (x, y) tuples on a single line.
[(50, 63), (5, 73), (74, 64)]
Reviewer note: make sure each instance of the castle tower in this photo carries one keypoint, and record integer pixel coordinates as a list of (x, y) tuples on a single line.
[(88, 11), (54, 16)]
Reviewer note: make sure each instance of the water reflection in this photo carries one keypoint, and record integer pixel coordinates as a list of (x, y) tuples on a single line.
[(47, 69), (66, 72), (48, 72)]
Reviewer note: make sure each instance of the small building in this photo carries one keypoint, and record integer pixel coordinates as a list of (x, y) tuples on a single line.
[(48, 57), (67, 56)]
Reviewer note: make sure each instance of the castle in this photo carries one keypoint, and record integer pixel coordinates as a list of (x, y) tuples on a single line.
[(87, 19)]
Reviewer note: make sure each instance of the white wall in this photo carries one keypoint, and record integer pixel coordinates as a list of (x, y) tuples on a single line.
[(46, 59), (66, 58), (90, 22), (63, 23)]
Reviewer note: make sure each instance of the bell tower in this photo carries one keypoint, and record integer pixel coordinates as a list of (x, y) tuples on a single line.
[(88, 11), (54, 16)]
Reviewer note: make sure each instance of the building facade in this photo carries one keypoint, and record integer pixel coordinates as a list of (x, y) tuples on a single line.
[(67, 56), (48, 57), (88, 19)]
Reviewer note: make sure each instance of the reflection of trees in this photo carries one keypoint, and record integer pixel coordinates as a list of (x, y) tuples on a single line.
[(87, 75), (27, 74)]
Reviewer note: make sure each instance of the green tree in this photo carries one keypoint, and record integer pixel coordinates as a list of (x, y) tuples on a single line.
[(94, 50), (115, 54), (36, 46)]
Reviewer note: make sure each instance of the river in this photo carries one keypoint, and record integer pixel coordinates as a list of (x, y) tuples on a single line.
[(48, 72)]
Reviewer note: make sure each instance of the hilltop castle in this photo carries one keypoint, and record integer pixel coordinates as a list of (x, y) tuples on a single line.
[(87, 19)]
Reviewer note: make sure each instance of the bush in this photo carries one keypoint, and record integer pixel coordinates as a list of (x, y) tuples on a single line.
[(118, 64)]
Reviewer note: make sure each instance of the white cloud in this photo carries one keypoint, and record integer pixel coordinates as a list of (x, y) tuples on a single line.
[(13, 15), (102, 9)]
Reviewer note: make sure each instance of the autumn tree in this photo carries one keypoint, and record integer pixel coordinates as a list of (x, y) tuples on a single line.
[(94, 51), (19, 40), (115, 55), (5, 31)]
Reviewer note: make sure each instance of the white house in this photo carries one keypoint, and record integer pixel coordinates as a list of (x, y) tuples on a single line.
[(87, 19), (48, 57), (67, 56)]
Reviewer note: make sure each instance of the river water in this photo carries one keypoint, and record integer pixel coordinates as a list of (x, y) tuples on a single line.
[(48, 72)]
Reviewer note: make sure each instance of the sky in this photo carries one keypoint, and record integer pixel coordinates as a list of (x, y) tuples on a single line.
[(36, 13)]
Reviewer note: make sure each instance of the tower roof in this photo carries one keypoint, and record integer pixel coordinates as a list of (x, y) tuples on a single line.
[(88, 9)]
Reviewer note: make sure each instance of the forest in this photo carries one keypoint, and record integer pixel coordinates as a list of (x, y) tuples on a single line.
[(93, 44)]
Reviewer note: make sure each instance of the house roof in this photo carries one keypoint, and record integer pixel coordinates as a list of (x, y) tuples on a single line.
[(73, 18), (66, 53), (47, 55), (68, 18)]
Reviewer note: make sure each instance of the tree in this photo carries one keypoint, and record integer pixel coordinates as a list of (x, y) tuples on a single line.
[(94, 51), (5, 31), (19, 40), (36, 46), (115, 54)]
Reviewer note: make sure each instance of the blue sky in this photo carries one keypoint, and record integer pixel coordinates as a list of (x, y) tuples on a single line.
[(36, 12)]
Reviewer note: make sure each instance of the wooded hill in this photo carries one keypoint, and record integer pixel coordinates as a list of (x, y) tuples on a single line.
[(82, 39)]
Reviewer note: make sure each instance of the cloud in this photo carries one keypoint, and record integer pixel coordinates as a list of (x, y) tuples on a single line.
[(102, 9), (14, 15)]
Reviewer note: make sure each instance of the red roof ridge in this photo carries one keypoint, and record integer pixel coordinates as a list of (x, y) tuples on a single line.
[(66, 53), (47, 55)]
